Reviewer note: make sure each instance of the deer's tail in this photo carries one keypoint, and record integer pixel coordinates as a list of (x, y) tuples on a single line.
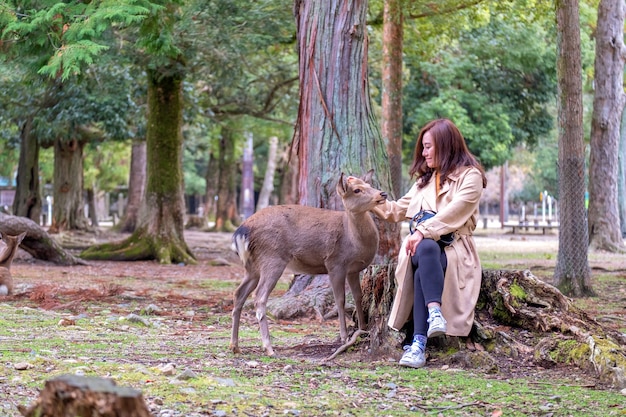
[(241, 243)]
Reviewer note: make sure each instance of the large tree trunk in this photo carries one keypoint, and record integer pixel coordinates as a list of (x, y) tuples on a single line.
[(608, 104), (27, 202), (226, 206), (68, 212), (136, 186), (572, 274), (336, 130), (391, 123), (159, 233)]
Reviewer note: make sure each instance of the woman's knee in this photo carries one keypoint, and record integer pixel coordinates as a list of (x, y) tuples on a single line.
[(428, 247)]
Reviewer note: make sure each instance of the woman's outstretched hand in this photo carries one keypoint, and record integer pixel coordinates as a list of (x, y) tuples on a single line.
[(412, 242)]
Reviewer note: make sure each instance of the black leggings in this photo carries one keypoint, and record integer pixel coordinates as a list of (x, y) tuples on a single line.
[(429, 266)]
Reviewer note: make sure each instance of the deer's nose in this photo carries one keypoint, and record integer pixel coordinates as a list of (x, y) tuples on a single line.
[(383, 195)]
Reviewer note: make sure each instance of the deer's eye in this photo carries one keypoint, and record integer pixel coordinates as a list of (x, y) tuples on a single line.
[(358, 190)]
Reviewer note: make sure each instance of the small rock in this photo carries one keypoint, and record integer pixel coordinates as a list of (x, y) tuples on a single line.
[(22, 366), (167, 369), (151, 309), (252, 364), (187, 374), (66, 322), (134, 318)]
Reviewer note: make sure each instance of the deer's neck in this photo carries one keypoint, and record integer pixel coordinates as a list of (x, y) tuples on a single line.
[(361, 225)]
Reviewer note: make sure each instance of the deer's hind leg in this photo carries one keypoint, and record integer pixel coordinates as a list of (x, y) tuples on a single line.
[(243, 291), (269, 277)]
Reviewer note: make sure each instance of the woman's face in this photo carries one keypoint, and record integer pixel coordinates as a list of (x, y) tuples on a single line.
[(429, 150)]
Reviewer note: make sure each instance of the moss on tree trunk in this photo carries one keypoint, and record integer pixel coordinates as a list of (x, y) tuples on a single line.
[(159, 233)]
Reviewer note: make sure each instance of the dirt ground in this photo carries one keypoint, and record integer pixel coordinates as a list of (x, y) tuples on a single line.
[(178, 288)]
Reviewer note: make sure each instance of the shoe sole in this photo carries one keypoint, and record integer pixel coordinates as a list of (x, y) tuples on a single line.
[(436, 333), (412, 365)]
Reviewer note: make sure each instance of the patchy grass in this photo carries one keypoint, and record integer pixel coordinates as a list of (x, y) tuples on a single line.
[(83, 320)]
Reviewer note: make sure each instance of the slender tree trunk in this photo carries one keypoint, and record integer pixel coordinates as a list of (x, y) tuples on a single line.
[(159, 233), (136, 186), (68, 212), (226, 206), (289, 177), (621, 180), (91, 204), (608, 104), (211, 177), (27, 202), (392, 90), (572, 274), (268, 179), (247, 178)]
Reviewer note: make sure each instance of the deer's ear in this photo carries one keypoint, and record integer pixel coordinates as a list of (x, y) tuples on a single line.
[(368, 176), (341, 185)]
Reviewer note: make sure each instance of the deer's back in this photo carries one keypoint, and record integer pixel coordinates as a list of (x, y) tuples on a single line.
[(305, 238)]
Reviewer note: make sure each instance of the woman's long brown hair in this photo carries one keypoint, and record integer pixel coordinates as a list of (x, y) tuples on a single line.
[(451, 152)]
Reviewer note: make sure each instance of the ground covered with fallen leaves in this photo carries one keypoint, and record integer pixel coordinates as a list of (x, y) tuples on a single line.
[(157, 327)]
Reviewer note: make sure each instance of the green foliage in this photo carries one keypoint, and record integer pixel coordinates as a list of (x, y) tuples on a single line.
[(107, 165), (496, 82), (67, 35)]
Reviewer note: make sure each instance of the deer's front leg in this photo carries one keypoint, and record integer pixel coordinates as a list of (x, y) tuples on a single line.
[(338, 284)]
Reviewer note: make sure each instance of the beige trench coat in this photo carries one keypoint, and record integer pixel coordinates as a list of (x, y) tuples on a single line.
[(457, 211)]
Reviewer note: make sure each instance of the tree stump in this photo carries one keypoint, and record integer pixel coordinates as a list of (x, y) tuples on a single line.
[(514, 300), (78, 396)]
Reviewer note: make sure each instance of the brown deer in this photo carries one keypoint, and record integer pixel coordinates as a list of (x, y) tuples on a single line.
[(6, 280), (308, 240)]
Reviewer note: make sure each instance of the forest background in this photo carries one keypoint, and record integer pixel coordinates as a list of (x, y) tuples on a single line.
[(493, 71), (156, 95)]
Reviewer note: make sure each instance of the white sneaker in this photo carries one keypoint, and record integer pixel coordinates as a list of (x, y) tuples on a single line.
[(437, 324), (413, 357)]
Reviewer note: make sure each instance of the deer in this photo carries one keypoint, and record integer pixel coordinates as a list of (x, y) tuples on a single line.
[(307, 240), (12, 243)]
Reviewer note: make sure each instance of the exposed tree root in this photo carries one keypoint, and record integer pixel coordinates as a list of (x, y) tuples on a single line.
[(346, 345), (565, 333), (140, 247)]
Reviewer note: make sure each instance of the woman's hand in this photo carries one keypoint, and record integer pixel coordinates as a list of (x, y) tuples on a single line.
[(412, 242)]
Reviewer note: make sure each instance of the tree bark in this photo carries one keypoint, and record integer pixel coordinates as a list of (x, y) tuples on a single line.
[(136, 186), (27, 202), (391, 123), (608, 104), (68, 212), (572, 275), (336, 130), (159, 233)]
